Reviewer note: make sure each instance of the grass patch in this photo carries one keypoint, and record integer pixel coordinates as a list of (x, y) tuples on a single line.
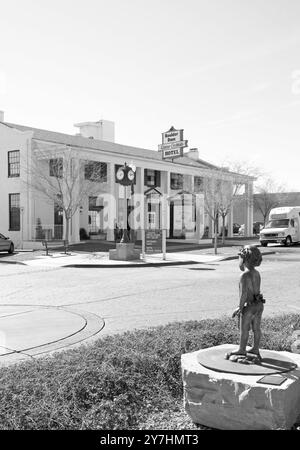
[(127, 381)]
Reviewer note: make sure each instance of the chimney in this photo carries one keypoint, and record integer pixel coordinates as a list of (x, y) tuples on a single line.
[(193, 153), (103, 130), (1, 116)]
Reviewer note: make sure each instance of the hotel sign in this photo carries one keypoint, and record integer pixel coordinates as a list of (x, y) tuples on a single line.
[(172, 143), (174, 153)]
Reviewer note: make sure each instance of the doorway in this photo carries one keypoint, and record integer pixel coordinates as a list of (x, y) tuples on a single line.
[(58, 222)]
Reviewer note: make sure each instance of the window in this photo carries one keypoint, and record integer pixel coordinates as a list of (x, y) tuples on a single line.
[(95, 204), (176, 181), (279, 223), (14, 163), (198, 184), (14, 212), (152, 178), (56, 167), (95, 171), (151, 219)]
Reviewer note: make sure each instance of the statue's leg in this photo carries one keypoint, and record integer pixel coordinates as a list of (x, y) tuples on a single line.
[(244, 334), (256, 327)]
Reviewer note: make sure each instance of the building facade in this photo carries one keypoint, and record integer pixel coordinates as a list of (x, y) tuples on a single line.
[(167, 194)]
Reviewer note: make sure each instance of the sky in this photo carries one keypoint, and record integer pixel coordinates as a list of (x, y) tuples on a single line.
[(225, 71)]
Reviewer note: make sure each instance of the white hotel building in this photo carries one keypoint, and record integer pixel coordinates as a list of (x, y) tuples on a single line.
[(167, 193)]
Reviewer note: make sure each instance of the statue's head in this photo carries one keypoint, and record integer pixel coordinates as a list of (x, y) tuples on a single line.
[(250, 256)]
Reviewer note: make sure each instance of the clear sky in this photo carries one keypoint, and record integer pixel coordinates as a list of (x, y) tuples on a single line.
[(226, 71)]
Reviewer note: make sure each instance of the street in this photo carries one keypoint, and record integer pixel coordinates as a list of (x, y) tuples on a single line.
[(128, 298)]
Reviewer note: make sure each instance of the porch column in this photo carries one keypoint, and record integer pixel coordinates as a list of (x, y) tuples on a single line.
[(230, 221), (199, 216), (74, 228), (111, 203), (75, 219), (140, 187), (249, 209), (165, 184)]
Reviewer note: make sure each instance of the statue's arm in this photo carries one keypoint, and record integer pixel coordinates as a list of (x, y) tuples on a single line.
[(242, 295), (243, 290)]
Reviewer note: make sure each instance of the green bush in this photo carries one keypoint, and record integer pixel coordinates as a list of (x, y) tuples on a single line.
[(127, 381)]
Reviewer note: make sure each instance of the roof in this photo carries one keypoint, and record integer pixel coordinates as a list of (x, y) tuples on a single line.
[(95, 144), (112, 147)]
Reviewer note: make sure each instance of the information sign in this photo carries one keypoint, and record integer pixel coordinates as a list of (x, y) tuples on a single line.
[(153, 241)]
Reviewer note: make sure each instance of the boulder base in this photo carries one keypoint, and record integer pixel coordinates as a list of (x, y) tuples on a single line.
[(231, 401)]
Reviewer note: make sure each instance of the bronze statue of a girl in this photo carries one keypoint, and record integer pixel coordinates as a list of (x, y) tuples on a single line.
[(251, 306)]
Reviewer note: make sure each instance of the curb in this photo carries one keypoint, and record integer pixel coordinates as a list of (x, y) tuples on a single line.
[(124, 266), (13, 262), (140, 264)]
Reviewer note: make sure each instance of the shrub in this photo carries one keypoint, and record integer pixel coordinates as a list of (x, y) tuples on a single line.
[(83, 234)]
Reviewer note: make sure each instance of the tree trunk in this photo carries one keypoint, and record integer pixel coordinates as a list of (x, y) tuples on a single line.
[(67, 231), (223, 229), (215, 237)]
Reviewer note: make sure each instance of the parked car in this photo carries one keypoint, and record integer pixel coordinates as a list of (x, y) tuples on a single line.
[(257, 226), (6, 245), (236, 227)]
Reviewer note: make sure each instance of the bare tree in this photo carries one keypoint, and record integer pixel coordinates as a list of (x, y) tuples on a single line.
[(64, 179), (244, 167), (211, 204), (268, 197), (219, 191)]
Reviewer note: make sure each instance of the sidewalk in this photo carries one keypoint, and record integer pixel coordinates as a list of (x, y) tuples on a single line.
[(177, 254)]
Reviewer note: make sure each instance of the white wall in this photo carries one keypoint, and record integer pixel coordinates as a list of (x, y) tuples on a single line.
[(11, 139)]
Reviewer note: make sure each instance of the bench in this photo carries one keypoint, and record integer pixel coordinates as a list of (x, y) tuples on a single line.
[(53, 245)]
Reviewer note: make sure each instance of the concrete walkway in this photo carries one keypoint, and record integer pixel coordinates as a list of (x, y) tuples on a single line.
[(28, 331)]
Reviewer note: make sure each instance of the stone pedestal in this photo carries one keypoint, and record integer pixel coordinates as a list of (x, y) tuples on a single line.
[(124, 252), (234, 401)]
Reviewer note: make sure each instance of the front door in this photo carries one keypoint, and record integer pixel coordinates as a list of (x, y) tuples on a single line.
[(58, 222), (176, 219)]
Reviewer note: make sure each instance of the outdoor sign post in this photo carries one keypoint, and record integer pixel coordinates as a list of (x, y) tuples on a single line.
[(154, 242)]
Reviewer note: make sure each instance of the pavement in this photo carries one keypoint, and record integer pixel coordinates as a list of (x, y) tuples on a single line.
[(28, 331)]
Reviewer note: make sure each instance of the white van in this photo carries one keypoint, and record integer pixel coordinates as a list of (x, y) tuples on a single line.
[(283, 226)]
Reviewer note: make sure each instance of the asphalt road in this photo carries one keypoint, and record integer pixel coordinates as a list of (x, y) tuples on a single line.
[(129, 298)]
